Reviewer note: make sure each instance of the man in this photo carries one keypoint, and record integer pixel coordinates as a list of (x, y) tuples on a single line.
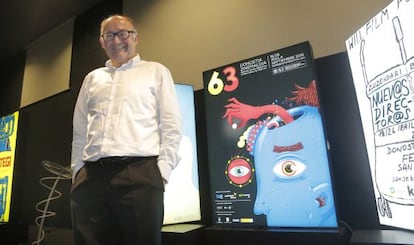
[(126, 135)]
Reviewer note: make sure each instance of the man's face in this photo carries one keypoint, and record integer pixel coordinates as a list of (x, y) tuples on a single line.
[(118, 50)]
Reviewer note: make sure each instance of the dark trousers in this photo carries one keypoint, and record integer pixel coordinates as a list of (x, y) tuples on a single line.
[(118, 201)]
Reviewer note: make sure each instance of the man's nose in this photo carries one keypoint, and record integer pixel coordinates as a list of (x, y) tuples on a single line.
[(116, 38)]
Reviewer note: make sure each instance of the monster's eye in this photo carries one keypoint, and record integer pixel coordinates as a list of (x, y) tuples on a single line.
[(239, 171), (288, 169)]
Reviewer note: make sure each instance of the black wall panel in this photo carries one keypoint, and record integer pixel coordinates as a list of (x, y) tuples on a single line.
[(351, 173), (45, 134), (11, 84), (204, 177)]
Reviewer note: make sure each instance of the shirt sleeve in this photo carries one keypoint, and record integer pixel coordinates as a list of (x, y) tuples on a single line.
[(169, 125), (79, 130)]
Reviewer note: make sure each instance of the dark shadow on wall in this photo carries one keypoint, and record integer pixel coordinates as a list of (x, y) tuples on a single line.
[(351, 172)]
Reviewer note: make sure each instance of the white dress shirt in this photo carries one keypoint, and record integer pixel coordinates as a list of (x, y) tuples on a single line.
[(131, 110)]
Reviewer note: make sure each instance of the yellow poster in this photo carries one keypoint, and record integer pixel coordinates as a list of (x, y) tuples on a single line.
[(8, 136)]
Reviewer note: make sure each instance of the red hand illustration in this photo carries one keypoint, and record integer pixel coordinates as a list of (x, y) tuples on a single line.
[(244, 112)]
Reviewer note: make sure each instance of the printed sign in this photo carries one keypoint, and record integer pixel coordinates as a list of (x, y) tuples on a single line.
[(8, 135), (381, 55), (266, 144)]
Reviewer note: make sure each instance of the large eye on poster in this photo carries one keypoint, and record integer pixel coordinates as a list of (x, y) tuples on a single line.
[(8, 136), (381, 55), (267, 151), (181, 196)]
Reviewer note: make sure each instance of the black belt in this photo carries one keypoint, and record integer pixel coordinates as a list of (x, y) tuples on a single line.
[(106, 161)]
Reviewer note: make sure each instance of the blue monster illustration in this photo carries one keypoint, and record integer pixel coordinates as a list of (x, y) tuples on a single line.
[(292, 171), (290, 157)]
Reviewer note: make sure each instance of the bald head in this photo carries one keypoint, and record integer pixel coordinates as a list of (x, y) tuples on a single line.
[(117, 17)]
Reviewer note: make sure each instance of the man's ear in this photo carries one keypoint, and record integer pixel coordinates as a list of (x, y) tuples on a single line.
[(136, 37), (101, 42)]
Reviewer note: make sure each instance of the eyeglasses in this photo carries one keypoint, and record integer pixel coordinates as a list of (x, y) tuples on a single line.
[(123, 35)]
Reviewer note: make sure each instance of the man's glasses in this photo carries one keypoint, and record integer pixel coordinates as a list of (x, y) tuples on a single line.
[(123, 35)]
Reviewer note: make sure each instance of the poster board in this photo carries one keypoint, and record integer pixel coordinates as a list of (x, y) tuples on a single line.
[(267, 150), (8, 136), (182, 196), (381, 55)]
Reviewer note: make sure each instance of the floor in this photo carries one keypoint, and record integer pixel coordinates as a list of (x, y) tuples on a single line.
[(182, 234), (52, 236)]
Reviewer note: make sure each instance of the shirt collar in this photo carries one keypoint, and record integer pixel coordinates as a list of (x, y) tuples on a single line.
[(130, 62)]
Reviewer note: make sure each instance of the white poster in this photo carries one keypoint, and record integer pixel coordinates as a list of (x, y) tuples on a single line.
[(181, 196), (381, 55)]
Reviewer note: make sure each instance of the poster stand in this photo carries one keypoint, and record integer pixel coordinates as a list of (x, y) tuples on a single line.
[(269, 236)]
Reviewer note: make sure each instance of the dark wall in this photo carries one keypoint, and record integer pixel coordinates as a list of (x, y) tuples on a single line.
[(351, 173), (11, 84), (45, 134), (202, 156)]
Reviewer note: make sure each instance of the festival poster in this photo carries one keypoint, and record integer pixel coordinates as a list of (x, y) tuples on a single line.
[(8, 135), (381, 55), (267, 150)]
